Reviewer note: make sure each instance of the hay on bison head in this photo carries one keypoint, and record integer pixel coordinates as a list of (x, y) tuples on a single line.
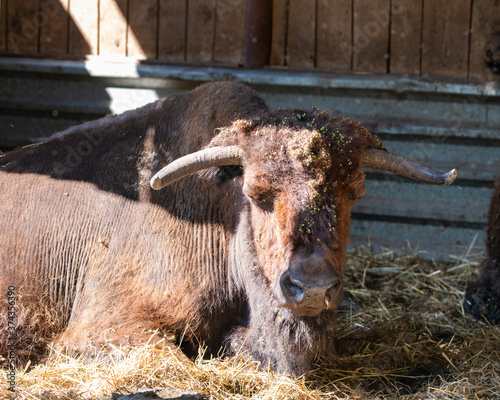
[(402, 333)]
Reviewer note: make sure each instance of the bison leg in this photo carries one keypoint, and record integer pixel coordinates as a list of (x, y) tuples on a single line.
[(29, 329), (482, 298), (89, 340)]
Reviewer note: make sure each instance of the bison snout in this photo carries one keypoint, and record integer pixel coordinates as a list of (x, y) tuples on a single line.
[(306, 296)]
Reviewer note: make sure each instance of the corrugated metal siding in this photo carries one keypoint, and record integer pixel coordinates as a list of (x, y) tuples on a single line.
[(447, 124)]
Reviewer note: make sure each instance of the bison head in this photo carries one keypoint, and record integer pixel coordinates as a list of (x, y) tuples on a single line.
[(302, 175)]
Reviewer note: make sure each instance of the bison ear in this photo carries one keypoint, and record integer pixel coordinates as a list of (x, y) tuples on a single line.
[(385, 161), (194, 162)]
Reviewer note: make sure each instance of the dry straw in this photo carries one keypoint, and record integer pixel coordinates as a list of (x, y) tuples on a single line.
[(402, 334)]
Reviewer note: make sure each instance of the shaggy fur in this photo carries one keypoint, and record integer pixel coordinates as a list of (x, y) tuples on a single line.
[(482, 298), (111, 261)]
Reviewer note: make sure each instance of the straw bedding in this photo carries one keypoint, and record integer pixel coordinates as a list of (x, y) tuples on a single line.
[(402, 334)]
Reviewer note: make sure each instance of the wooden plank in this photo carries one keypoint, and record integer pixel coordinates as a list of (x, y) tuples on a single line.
[(83, 27), (494, 114), (280, 22), (142, 29), (54, 29), (406, 33), (230, 31), (371, 35), (200, 30), (431, 241), (3, 25), (474, 163), (445, 38), (113, 27), (172, 30), (334, 31), (301, 33), (383, 108), (18, 130), (23, 26), (485, 35), (455, 203)]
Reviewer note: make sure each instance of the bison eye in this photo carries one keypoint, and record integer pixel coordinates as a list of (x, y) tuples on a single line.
[(228, 172), (263, 200), (261, 197)]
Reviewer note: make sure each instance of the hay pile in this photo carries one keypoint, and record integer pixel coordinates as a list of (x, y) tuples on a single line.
[(402, 335)]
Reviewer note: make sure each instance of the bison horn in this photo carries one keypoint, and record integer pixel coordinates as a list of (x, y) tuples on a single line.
[(194, 162), (385, 161), (233, 155)]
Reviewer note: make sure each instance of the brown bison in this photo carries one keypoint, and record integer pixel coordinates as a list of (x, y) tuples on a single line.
[(482, 298), (244, 253)]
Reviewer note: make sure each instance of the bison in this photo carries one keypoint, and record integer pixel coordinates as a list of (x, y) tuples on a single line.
[(245, 253), (482, 298)]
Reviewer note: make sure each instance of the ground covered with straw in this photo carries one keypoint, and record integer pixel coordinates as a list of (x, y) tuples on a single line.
[(402, 335)]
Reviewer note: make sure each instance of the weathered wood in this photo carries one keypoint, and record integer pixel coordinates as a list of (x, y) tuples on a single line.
[(200, 30), (445, 41), (54, 27), (301, 33), (113, 27), (406, 33), (370, 50), (402, 86), (280, 24), (142, 29), (493, 114), (485, 35), (3, 25), (83, 27), (474, 163), (23, 26), (18, 131), (230, 31), (455, 203), (172, 30), (334, 34), (432, 241), (390, 109)]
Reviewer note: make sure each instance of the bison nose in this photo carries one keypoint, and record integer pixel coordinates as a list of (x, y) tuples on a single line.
[(310, 296)]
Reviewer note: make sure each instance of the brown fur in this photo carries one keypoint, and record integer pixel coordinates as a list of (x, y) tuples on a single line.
[(482, 298), (201, 259)]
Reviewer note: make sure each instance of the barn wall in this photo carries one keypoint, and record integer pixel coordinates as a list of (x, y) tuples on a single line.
[(447, 124), (422, 37)]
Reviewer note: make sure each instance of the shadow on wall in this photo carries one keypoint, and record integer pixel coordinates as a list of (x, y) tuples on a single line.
[(37, 105)]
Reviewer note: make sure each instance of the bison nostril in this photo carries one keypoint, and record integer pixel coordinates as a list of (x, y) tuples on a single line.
[(293, 289), (333, 291)]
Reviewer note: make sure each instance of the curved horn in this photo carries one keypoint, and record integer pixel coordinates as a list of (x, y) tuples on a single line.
[(383, 160), (194, 162)]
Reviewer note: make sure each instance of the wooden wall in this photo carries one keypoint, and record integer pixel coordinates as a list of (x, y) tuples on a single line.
[(422, 37), (191, 31)]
